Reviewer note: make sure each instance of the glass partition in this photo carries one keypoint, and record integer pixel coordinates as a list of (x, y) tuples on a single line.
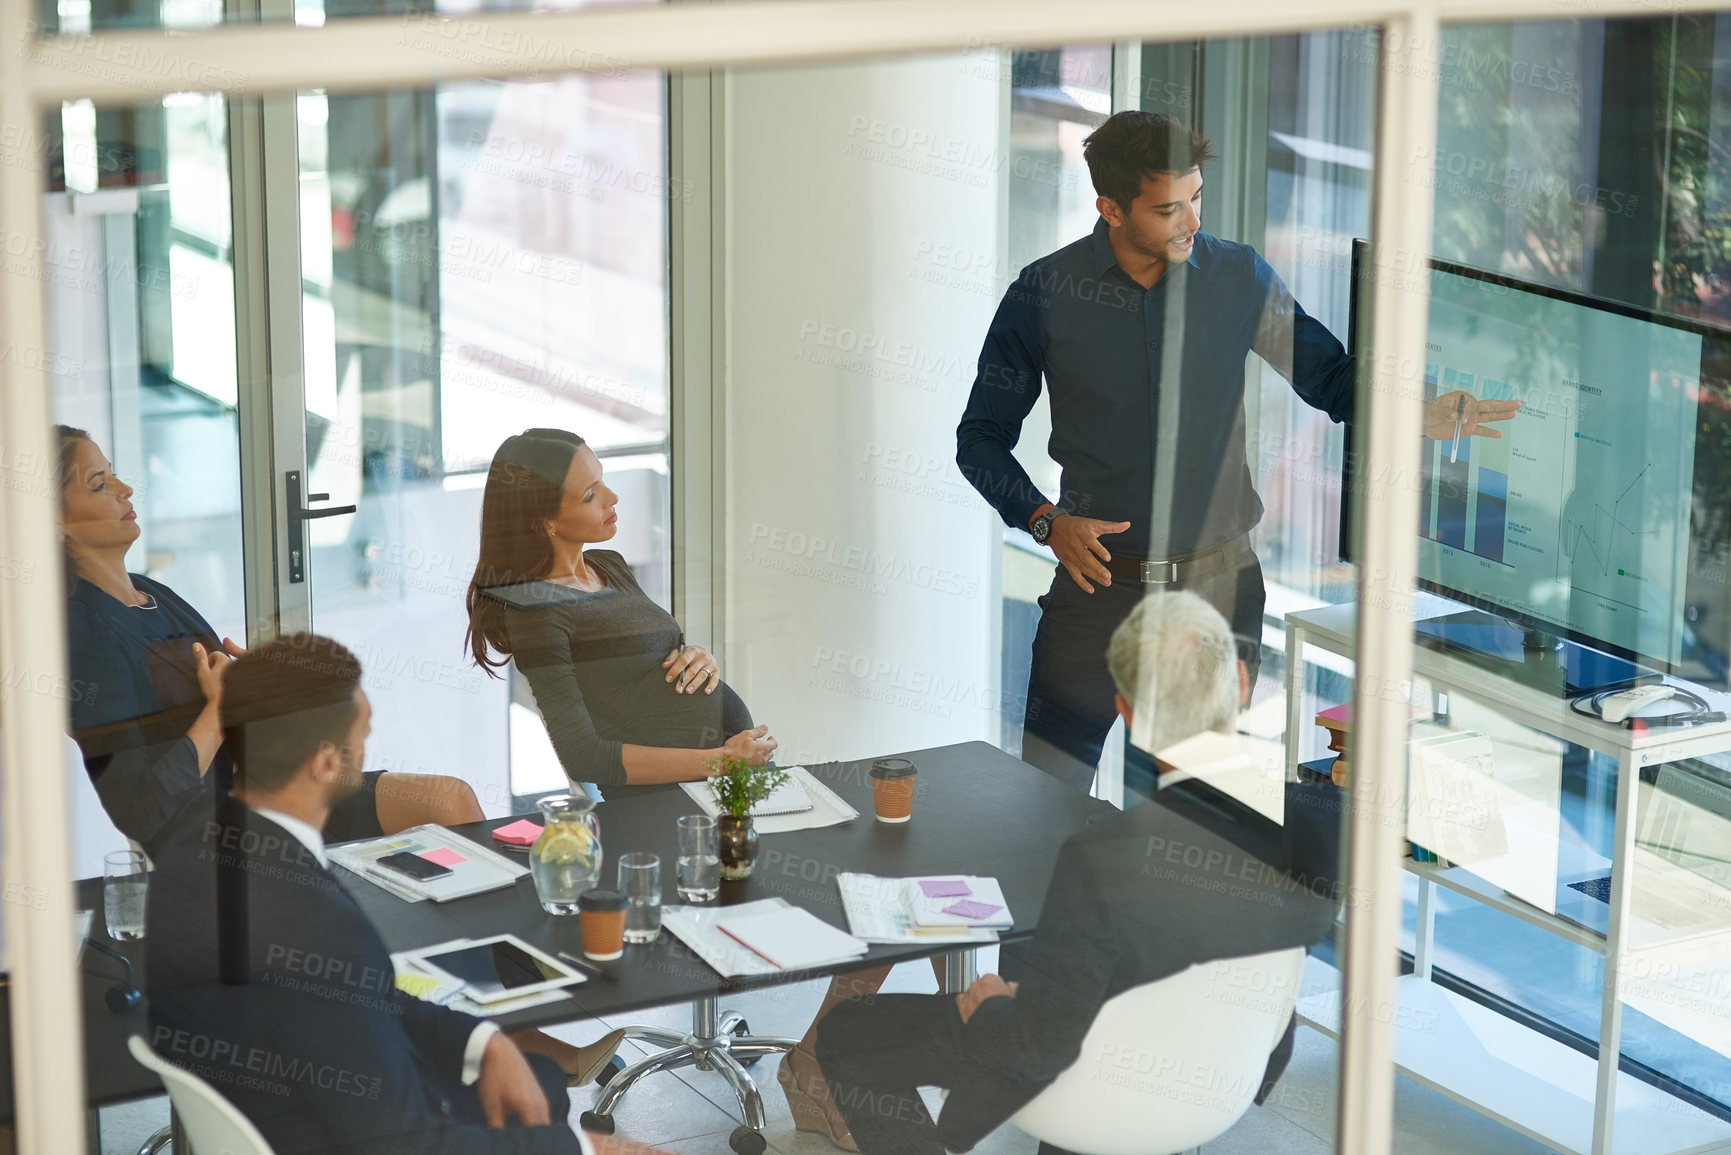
[(967, 322), (477, 260), (1563, 771), (940, 336)]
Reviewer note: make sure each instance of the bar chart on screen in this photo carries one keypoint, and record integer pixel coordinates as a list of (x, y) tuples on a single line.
[(1472, 474), (1574, 512)]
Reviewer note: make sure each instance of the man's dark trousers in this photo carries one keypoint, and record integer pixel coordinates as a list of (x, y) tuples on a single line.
[(877, 1053), (1069, 687)]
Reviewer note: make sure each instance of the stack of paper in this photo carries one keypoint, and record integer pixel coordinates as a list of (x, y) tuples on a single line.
[(800, 803), (883, 909), (474, 868)]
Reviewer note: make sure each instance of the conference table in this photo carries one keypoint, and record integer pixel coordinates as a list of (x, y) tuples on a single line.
[(977, 810)]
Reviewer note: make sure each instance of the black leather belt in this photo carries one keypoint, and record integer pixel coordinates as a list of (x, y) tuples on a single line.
[(1180, 570)]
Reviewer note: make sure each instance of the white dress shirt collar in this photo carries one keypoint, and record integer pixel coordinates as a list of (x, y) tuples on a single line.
[(302, 830)]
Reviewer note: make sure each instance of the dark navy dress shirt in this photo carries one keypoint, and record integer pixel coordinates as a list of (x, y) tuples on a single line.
[(135, 695), (1104, 345)]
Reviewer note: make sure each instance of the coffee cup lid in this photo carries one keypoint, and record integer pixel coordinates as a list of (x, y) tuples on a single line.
[(893, 768), (600, 900)]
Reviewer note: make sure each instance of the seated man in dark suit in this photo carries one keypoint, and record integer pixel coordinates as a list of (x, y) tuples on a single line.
[(1121, 911), (267, 980)]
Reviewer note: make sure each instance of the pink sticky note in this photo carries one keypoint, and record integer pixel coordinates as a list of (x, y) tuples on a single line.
[(971, 910), (519, 833), (944, 887), (443, 856)]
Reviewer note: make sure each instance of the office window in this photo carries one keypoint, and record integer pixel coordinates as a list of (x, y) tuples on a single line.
[(479, 260)]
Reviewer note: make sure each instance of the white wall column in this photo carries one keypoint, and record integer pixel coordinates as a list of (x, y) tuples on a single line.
[(862, 569)]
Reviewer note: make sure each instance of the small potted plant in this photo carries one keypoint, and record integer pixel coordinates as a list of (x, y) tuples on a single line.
[(738, 787)]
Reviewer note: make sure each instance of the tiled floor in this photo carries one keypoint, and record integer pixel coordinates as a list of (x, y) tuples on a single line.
[(693, 1112)]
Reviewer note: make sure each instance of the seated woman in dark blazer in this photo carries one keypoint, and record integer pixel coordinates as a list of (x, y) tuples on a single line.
[(629, 705), (146, 672)]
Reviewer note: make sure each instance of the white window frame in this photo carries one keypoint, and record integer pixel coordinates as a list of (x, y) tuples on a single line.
[(695, 39)]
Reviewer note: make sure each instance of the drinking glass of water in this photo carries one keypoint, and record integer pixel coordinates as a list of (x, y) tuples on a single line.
[(699, 859), (640, 879), (125, 886)]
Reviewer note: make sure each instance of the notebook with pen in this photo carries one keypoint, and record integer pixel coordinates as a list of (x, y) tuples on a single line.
[(791, 938)]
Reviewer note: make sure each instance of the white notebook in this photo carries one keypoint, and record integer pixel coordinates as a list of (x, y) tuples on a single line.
[(788, 798), (791, 938)]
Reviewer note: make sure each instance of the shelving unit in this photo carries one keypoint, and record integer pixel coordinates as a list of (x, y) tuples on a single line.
[(1476, 1055)]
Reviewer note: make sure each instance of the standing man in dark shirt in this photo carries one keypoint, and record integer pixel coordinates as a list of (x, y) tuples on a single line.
[(1146, 301)]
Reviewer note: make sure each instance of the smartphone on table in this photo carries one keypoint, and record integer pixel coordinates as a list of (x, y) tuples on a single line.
[(413, 865)]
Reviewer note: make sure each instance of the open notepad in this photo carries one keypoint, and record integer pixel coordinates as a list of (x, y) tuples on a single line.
[(794, 938), (791, 938), (474, 868)]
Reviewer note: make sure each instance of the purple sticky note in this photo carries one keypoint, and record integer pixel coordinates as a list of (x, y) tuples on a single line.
[(944, 887), (443, 856), (520, 833), (971, 910)]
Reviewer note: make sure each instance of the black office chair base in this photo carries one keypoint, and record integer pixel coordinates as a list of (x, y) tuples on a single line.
[(717, 1042), (745, 1141)]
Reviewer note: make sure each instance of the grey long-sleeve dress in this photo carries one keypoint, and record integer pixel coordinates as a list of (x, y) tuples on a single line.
[(593, 661)]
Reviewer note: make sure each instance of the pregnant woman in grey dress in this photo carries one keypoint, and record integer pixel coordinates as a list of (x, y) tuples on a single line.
[(628, 703)]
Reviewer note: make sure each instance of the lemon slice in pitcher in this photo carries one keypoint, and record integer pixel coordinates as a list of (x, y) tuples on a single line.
[(566, 844)]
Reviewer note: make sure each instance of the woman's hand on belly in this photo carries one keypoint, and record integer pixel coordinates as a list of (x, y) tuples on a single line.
[(690, 668)]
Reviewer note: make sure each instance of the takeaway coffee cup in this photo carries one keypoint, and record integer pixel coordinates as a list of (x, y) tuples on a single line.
[(601, 914), (893, 789)]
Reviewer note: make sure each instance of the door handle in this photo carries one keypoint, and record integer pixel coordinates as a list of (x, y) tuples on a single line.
[(299, 513)]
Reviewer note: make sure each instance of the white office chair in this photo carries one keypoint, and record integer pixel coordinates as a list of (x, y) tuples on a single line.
[(1173, 1064), (209, 1122)]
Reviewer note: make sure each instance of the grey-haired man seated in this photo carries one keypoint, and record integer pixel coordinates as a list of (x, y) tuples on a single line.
[(1136, 897)]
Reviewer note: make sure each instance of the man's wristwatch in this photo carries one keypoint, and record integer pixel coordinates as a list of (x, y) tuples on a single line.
[(1041, 526)]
